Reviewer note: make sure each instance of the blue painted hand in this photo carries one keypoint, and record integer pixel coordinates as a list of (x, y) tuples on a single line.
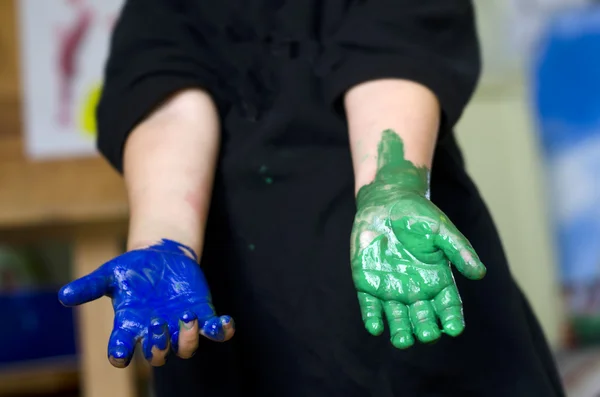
[(160, 298)]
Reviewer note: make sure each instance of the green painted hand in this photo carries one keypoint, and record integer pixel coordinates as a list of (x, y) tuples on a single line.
[(402, 247)]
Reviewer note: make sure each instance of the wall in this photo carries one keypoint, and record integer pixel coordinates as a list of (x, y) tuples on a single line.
[(498, 138)]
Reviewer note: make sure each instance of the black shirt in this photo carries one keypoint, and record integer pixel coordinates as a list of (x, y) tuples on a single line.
[(277, 246), (226, 47)]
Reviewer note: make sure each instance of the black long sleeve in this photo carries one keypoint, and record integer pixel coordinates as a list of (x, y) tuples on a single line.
[(152, 55), (431, 42), (162, 46)]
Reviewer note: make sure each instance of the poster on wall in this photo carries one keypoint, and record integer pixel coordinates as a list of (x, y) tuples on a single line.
[(64, 45), (565, 82)]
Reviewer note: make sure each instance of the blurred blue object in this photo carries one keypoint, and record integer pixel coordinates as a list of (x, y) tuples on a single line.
[(566, 78), (566, 96), (35, 326)]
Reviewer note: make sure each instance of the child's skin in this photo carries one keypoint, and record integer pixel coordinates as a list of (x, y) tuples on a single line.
[(401, 250), (401, 243)]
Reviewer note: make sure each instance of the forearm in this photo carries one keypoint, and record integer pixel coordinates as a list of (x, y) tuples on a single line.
[(169, 165), (408, 108)]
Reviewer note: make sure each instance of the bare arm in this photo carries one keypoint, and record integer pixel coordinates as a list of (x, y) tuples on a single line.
[(157, 125), (169, 170), (408, 108), (393, 127)]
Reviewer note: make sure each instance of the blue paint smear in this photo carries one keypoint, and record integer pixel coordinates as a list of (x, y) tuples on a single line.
[(152, 290)]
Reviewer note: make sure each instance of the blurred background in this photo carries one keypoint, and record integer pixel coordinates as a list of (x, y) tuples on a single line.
[(531, 138)]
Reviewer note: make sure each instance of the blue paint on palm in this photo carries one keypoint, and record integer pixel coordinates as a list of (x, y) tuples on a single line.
[(153, 291)]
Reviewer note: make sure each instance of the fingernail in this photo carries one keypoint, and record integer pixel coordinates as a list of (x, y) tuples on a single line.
[(157, 327), (429, 334), (403, 341), (119, 354), (374, 326), (454, 327), (187, 319)]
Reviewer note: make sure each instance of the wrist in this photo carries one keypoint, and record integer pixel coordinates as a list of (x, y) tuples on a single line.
[(166, 245), (146, 230), (390, 189), (395, 176), (169, 211), (379, 110)]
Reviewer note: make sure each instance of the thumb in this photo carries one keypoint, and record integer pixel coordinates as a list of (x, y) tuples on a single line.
[(459, 251), (85, 289)]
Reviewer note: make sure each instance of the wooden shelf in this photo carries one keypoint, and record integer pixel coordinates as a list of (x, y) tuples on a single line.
[(40, 378), (52, 192), (82, 200), (56, 192)]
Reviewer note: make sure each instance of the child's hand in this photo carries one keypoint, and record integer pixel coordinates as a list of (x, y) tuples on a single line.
[(400, 265), (160, 298), (402, 246)]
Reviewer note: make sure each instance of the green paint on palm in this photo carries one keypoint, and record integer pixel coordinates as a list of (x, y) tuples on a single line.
[(402, 246)]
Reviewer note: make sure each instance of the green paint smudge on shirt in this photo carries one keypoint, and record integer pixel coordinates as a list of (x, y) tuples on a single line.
[(263, 170)]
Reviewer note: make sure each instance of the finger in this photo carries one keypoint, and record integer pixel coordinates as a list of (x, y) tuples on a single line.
[(448, 307), (175, 340), (371, 309), (84, 289), (174, 334), (156, 344), (459, 251), (401, 333), (121, 346), (188, 335), (424, 323), (218, 329)]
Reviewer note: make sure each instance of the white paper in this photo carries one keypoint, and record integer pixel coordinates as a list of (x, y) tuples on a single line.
[(57, 87)]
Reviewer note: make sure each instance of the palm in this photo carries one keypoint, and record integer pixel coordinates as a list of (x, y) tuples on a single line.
[(153, 291), (162, 288), (401, 267)]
